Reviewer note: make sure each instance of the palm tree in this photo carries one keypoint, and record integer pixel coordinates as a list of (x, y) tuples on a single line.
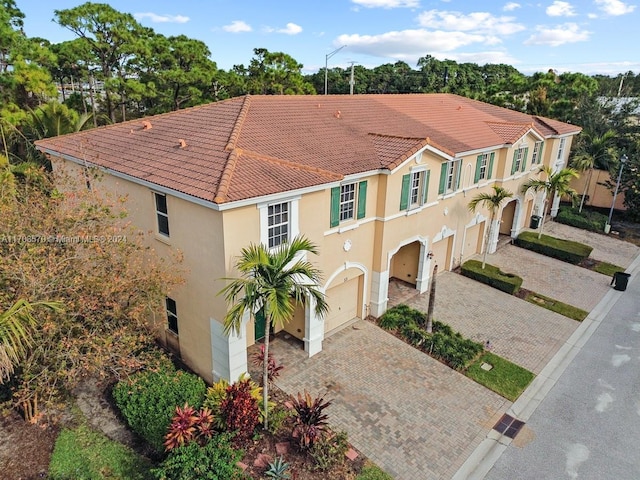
[(491, 202), (272, 281), (16, 328), (557, 183), (593, 151)]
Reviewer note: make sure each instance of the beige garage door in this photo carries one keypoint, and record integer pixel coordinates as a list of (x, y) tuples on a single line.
[(343, 304)]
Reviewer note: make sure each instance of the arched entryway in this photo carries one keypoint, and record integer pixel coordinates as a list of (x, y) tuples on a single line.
[(405, 263), (345, 296)]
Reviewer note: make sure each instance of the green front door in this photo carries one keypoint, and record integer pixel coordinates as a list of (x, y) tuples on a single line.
[(260, 325)]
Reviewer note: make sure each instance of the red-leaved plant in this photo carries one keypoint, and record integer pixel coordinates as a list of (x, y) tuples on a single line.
[(188, 425), (310, 421), (273, 369), (240, 411)]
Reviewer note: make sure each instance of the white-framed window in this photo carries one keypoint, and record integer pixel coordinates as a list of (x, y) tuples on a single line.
[(484, 166), (278, 224), (348, 202), (450, 176), (172, 315), (536, 156), (162, 213), (519, 160), (561, 147), (415, 188)]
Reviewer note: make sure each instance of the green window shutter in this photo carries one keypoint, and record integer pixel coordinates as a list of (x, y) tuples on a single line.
[(540, 152), (513, 165), (404, 193), (425, 186), (443, 178), (458, 174), (478, 167), (335, 206), (491, 157), (362, 199), (524, 159)]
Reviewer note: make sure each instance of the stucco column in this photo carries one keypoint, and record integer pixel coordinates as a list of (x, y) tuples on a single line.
[(229, 352), (493, 239), (424, 269), (379, 293), (313, 329), (555, 205), (516, 226)]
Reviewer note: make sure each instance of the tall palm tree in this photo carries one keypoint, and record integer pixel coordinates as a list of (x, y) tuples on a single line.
[(556, 183), (16, 328), (272, 281), (492, 202), (593, 151)]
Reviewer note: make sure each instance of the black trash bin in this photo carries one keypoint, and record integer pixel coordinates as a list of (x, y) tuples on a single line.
[(535, 221), (620, 281)]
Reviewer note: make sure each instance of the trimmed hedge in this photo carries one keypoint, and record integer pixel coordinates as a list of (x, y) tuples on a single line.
[(492, 276), (586, 220), (444, 344), (565, 250)]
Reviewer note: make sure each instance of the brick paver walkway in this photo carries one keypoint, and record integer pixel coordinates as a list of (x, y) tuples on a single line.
[(411, 415)]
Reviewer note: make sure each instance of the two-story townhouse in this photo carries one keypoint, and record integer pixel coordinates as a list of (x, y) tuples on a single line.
[(380, 183)]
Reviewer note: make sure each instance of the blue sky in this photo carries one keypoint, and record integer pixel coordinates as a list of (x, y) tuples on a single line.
[(589, 36)]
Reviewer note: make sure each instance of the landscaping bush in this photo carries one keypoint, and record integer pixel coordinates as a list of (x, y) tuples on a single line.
[(565, 250), (83, 453), (240, 411), (492, 276), (329, 451), (215, 460), (148, 400), (310, 422), (587, 219), (398, 316)]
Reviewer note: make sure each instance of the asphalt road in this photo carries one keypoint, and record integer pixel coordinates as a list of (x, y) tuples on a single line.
[(588, 426)]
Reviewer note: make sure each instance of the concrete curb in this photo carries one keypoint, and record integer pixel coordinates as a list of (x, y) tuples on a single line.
[(481, 461)]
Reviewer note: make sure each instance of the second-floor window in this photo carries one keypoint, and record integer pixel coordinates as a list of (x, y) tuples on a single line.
[(278, 224), (348, 202), (450, 176), (415, 188), (519, 160), (536, 156), (162, 214), (561, 147), (484, 166)]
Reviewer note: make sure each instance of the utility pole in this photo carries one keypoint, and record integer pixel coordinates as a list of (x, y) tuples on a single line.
[(326, 62), (351, 80)]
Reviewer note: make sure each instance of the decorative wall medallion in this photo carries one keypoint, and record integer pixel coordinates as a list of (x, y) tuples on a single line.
[(347, 245)]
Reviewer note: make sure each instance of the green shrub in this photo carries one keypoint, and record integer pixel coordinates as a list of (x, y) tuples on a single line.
[(587, 219), (329, 451), (398, 316), (373, 472), (492, 276), (565, 250), (84, 454), (148, 400), (215, 460)]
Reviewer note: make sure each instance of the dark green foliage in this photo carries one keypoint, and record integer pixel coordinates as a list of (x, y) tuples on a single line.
[(587, 219), (240, 411), (148, 400), (310, 422), (216, 460), (565, 250), (329, 451), (443, 344), (492, 276)]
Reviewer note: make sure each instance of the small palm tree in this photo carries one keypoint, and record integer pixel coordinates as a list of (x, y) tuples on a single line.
[(556, 183), (16, 328), (272, 280), (593, 151), (491, 202)]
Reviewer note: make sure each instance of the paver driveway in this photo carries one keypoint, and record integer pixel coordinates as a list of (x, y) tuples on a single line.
[(413, 416)]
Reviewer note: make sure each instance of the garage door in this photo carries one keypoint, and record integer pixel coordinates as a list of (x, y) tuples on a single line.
[(343, 304)]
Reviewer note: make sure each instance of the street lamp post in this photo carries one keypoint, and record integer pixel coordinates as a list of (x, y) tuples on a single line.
[(326, 62), (623, 160)]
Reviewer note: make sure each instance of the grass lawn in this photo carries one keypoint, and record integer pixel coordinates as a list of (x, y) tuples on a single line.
[(505, 378), (607, 268), (557, 306), (83, 453)]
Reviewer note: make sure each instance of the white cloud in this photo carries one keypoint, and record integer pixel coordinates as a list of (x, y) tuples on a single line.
[(511, 6), (237, 26), (558, 35), (560, 9), (614, 7), (387, 3), (473, 22), (291, 29), (155, 18)]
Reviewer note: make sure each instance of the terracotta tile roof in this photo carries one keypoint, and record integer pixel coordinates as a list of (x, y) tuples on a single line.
[(256, 145)]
